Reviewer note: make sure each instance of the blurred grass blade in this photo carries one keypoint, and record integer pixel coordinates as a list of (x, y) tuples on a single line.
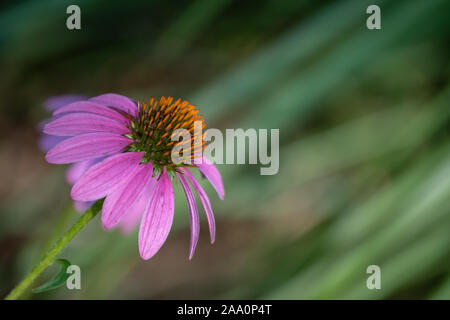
[(252, 76)]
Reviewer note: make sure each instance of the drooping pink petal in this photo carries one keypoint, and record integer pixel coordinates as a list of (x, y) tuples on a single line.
[(125, 195), (76, 170), (131, 219), (205, 202), (53, 103), (157, 219), (134, 214), (210, 171), (105, 176), (82, 206), (117, 101), (87, 146), (193, 212), (73, 124), (46, 142), (91, 107)]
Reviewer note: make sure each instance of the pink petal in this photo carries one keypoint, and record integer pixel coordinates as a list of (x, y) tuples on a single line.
[(105, 176), (157, 219), (75, 171), (132, 217), (117, 101), (125, 195), (210, 171), (74, 124), (82, 206), (205, 202), (87, 146), (53, 103), (193, 212), (46, 142), (91, 107)]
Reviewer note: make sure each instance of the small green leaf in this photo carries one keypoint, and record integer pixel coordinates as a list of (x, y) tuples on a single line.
[(58, 280)]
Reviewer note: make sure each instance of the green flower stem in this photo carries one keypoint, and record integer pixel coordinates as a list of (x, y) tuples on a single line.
[(49, 258), (63, 221), (61, 225)]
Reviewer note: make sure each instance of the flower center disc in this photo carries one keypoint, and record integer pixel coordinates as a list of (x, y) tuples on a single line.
[(153, 125)]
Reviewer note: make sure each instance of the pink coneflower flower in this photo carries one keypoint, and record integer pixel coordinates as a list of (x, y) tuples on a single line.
[(135, 175)]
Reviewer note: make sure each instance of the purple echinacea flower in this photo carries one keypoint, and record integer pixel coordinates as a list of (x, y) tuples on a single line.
[(134, 176)]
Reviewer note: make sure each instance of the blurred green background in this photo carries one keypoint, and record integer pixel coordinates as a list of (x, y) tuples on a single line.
[(364, 144)]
